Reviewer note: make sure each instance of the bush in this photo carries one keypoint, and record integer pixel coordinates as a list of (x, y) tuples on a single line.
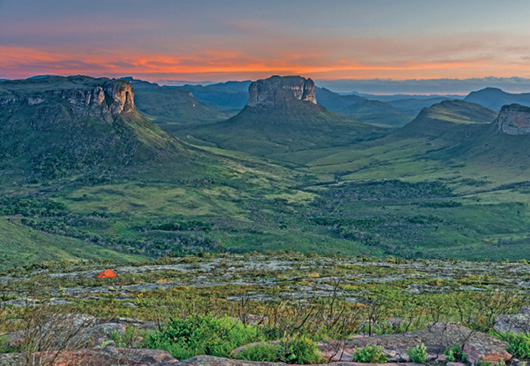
[(488, 363), (370, 354), (518, 344), (418, 354), (455, 354), (202, 335), (264, 352), (294, 350)]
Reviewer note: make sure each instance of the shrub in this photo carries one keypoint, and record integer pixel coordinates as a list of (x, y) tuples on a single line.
[(418, 354), (455, 354), (370, 354), (264, 352), (488, 363), (518, 344), (202, 335), (300, 350), (293, 350)]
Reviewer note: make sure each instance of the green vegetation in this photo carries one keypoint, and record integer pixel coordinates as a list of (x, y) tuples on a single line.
[(418, 354), (455, 354), (370, 354), (445, 186), (291, 350), (202, 335), (518, 344)]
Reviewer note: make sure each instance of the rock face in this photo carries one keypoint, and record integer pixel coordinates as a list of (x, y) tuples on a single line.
[(278, 91), (517, 323), (514, 119), (86, 97)]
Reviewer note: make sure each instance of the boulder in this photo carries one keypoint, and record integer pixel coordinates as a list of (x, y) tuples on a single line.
[(515, 323), (93, 357)]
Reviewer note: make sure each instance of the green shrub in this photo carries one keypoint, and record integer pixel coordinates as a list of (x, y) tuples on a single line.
[(202, 335), (370, 354), (418, 354), (518, 344), (488, 363), (455, 354), (300, 350), (293, 350), (264, 352)]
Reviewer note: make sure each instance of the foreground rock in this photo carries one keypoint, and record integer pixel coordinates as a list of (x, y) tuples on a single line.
[(477, 346), (93, 357), (219, 361), (516, 323)]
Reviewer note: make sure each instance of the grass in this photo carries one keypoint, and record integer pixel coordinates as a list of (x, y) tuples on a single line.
[(21, 245)]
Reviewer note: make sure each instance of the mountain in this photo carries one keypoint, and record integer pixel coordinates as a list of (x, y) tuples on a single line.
[(57, 126), (171, 108), (456, 119), (229, 97), (415, 105), (363, 109), (494, 98), (282, 115)]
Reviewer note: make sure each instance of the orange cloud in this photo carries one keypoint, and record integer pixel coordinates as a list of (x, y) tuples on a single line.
[(16, 61)]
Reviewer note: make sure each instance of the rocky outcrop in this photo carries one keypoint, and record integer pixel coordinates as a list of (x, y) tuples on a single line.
[(516, 323), (514, 119), (92, 357), (477, 346), (280, 91)]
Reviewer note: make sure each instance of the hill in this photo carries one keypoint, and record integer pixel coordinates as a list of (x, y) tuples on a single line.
[(494, 98), (171, 108), (363, 109), (282, 115), (451, 118), (53, 127)]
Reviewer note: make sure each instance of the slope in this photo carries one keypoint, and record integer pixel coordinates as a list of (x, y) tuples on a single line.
[(171, 108), (21, 245), (363, 109)]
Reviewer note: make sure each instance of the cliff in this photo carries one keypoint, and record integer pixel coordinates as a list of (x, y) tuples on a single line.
[(514, 119), (84, 96), (278, 91)]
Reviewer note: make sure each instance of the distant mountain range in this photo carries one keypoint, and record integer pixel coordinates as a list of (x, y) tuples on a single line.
[(172, 108), (494, 98)]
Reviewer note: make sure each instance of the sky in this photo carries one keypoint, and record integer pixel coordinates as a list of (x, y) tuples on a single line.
[(219, 40)]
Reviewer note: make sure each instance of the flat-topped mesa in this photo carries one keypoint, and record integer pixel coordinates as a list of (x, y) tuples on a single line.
[(86, 96), (280, 91), (514, 119)]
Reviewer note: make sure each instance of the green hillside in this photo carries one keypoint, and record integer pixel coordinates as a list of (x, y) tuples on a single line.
[(172, 108), (21, 245), (449, 184)]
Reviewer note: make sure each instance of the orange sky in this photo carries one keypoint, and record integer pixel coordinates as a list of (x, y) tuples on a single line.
[(234, 40)]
